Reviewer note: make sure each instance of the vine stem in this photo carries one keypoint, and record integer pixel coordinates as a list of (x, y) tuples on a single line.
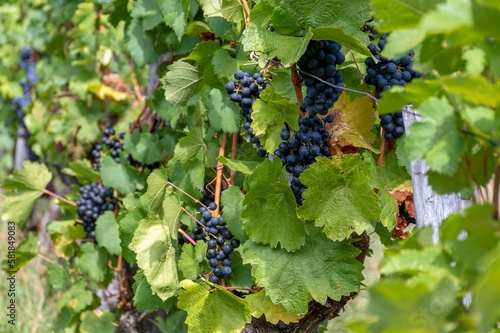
[(58, 197), (137, 89), (218, 180), (496, 189), (119, 272), (183, 233), (252, 290), (234, 147), (359, 71), (134, 124), (247, 11), (187, 194), (191, 216), (296, 80)]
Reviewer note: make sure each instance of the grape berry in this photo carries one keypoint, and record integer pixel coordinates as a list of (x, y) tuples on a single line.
[(94, 200), (115, 144)]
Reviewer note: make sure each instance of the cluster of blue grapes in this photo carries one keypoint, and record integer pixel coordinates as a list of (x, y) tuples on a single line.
[(115, 144), (27, 63), (321, 59), (371, 30), (244, 91), (221, 243), (94, 200), (385, 73)]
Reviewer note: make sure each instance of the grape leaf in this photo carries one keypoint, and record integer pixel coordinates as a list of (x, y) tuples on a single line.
[(82, 170), (106, 233), (190, 259), (320, 269), (270, 113), (174, 15), (222, 113), (400, 14), (232, 10), (77, 298), (139, 44), (152, 243), (232, 201), (136, 212), (181, 82), (64, 235), (93, 321), (475, 89), (245, 167), (430, 259), (338, 35), (212, 308), (347, 203), (269, 202), (119, 176), (437, 140), (22, 189), (486, 306), (92, 262), (211, 8), (155, 193), (26, 250), (287, 48), (189, 146), (58, 275), (144, 147), (144, 298), (224, 64), (259, 303)]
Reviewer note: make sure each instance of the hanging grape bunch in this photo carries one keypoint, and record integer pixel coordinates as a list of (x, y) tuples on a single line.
[(94, 200), (113, 142), (221, 243), (245, 91), (385, 73)]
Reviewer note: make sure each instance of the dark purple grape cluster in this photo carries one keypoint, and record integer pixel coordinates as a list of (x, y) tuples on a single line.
[(384, 74), (371, 30), (113, 142), (94, 200), (321, 59), (300, 150), (245, 91), (221, 243)]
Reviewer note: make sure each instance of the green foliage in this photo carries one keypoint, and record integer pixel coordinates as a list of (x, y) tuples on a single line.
[(162, 66)]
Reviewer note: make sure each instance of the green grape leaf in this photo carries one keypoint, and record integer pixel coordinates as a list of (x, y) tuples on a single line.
[(401, 311), (389, 209), (232, 201), (189, 146), (139, 44), (77, 298), (338, 196), (347, 15), (486, 306), (144, 298), (224, 64), (181, 82), (22, 189), (415, 93), (65, 234), (429, 259), (389, 175), (152, 243), (282, 84), (21, 253), (287, 48), (222, 113), (174, 15), (437, 140), (259, 303), (338, 35), (58, 275), (270, 113), (82, 170), (106, 233), (203, 53), (468, 242), (400, 42), (190, 259), (475, 89), (211, 8), (144, 147), (245, 167), (269, 202), (136, 212), (92, 262), (400, 14), (232, 10), (155, 193), (118, 176), (93, 322), (320, 269), (212, 308)]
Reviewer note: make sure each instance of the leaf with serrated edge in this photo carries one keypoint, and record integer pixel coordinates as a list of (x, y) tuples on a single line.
[(157, 185), (93, 322), (347, 204), (144, 298), (342, 38), (106, 233), (181, 82), (259, 303), (118, 176), (245, 167), (269, 202), (320, 269), (155, 253), (222, 113), (81, 169), (232, 200), (212, 308)]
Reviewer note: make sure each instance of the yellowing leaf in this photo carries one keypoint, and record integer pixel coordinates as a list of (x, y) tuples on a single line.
[(103, 91), (260, 304)]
